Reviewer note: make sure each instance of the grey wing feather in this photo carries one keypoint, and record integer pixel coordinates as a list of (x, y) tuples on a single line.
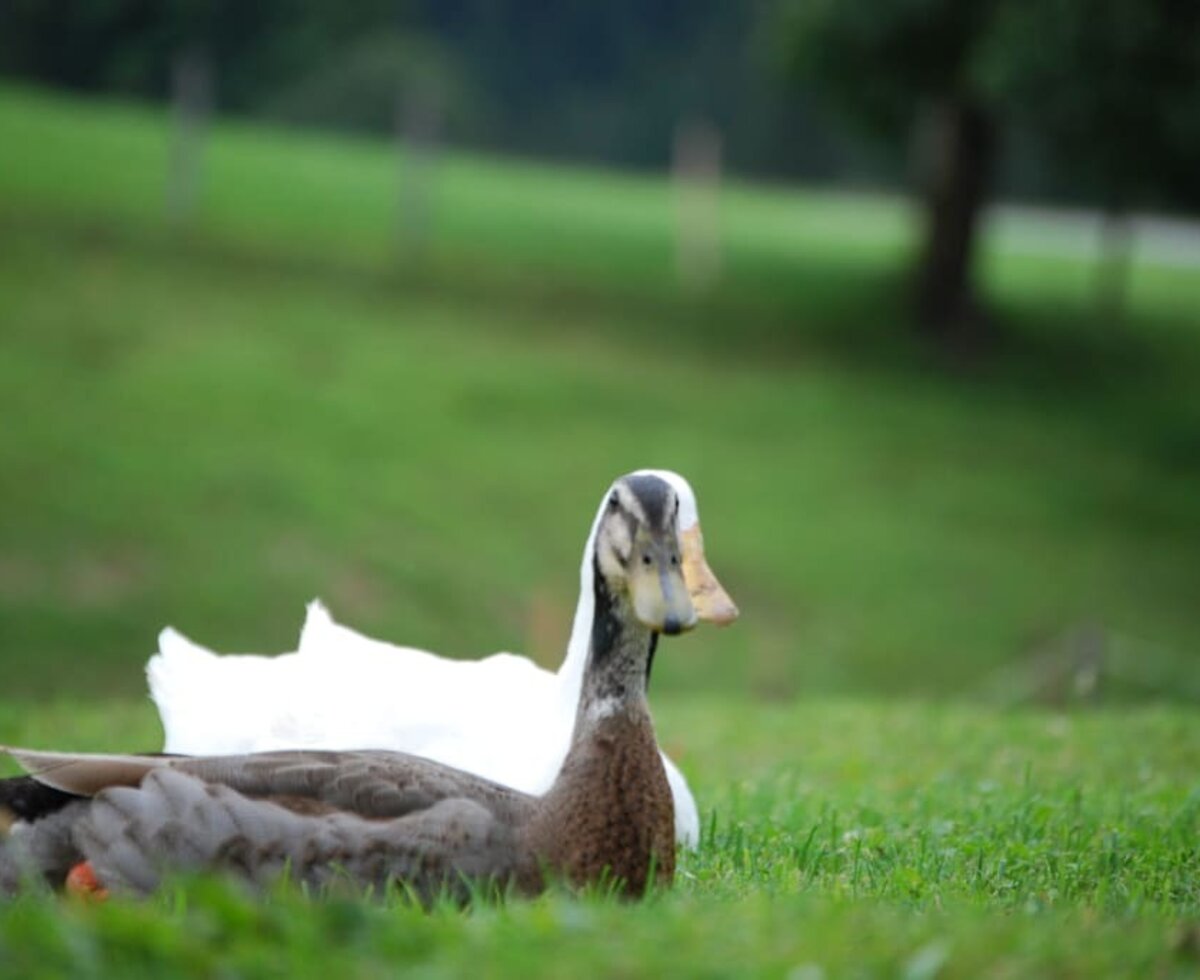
[(369, 783), (372, 783), (82, 773), (177, 821)]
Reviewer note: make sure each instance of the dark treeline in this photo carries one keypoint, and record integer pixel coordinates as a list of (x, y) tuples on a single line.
[(605, 82)]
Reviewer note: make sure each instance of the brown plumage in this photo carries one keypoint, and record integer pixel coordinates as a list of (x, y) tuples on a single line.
[(376, 817), (627, 817)]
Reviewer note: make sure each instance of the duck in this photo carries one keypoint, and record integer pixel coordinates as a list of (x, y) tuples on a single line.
[(380, 817), (502, 717)]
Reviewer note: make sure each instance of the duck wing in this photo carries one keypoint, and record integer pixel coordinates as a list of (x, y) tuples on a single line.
[(176, 820), (370, 783), (369, 817)]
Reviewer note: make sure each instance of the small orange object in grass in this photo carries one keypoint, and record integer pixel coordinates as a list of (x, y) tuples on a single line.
[(82, 881)]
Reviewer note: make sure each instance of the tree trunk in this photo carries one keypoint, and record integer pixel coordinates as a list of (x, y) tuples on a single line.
[(959, 165)]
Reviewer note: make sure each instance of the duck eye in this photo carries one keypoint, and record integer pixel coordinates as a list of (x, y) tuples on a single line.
[(646, 560), (674, 559)]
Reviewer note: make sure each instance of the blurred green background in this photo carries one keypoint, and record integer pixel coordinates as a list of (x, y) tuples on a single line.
[(373, 306)]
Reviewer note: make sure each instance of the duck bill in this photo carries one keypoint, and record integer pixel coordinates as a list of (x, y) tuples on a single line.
[(709, 598)]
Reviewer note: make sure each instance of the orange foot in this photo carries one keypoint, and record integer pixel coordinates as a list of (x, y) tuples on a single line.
[(82, 881)]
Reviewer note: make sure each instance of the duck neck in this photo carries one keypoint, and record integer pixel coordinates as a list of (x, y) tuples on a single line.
[(610, 809), (613, 685)]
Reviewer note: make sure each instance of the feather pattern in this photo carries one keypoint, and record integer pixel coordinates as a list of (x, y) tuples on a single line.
[(199, 825)]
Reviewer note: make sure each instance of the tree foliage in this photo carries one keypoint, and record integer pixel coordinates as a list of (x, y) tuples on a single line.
[(605, 82), (1113, 89), (1108, 89), (879, 62)]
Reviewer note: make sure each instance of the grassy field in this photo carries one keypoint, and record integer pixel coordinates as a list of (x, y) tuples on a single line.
[(212, 427), (844, 838), (208, 426)]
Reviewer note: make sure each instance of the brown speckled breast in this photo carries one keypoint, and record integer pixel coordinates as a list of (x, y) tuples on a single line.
[(622, 823)]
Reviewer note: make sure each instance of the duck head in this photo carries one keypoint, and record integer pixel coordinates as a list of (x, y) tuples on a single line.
[(612, 541), (710, 600), (641, 552)]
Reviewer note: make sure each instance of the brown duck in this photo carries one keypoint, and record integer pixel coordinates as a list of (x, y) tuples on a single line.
[(377, 817)]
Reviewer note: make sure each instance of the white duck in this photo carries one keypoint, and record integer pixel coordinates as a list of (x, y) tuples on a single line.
[(502, 717)]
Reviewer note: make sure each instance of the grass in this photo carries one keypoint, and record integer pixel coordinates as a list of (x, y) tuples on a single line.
[(856, 838), (216, 426)]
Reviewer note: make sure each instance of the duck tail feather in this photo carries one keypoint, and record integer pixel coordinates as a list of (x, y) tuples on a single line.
[(24, 798)]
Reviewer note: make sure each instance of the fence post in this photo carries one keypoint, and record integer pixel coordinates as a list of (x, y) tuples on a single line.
[(696, 172), (191, 97), (418, 125)]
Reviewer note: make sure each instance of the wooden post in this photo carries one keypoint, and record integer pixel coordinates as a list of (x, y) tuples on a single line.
[(696, 170), (418, 126), (191, 96), (1114, 264)]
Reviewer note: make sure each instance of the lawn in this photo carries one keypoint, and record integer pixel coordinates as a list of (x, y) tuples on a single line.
[(216, 426), (844, 838), (209, 425)]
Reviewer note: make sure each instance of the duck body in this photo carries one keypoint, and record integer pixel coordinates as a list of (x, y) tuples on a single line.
[(502, 717), (377, 817)]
